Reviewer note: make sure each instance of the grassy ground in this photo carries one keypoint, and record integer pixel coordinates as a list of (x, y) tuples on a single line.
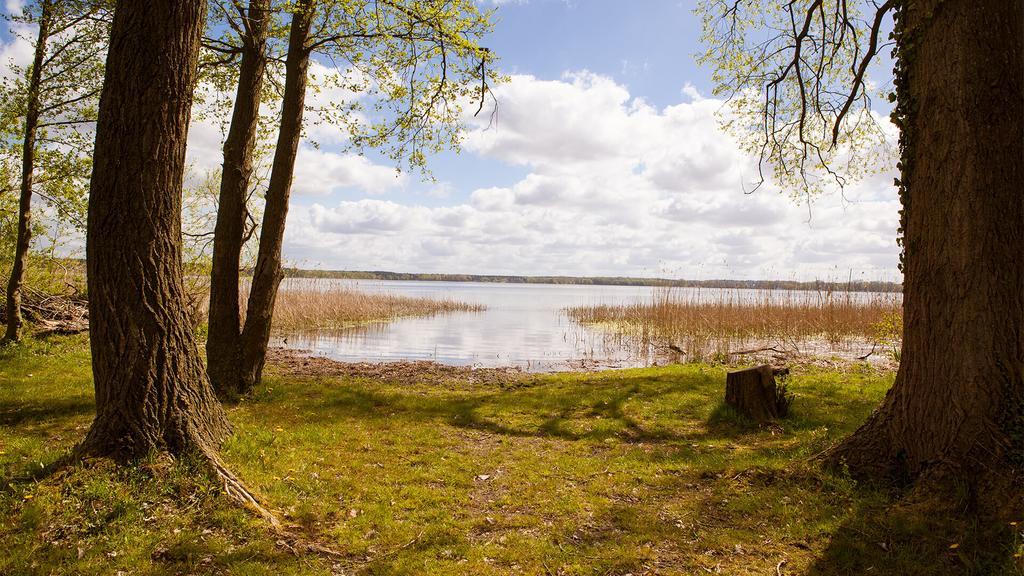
[(623, 472)]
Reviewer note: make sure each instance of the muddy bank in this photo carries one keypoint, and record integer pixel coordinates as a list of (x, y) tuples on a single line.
[(293, 362), (300, 363)]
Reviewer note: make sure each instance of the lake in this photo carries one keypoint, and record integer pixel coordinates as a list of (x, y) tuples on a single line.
[(523, 326)]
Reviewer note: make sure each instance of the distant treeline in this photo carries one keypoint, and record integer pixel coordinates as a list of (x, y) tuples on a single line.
[(852, 286)]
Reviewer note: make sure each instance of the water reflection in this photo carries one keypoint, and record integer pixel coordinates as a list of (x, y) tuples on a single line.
[(522, 326)]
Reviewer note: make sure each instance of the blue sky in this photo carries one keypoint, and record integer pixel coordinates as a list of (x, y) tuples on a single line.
[(646, 45), (606, 159)]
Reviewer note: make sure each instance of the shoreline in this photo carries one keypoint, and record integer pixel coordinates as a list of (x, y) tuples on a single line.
[(307, 363), (719, 283)]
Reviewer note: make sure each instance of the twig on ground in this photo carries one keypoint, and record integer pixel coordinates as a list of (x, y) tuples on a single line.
[(756, 350), (865, 357)]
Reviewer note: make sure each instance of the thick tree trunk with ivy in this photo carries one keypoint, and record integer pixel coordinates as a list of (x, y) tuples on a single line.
[(151, 389), (267, 273), (28, 157), (223, 344), (957, 406)]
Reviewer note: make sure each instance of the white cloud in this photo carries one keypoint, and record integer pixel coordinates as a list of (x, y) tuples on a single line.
[(613, 185), (363, 217), (544, 122), (16, 49), (318, 172), (330, 89)]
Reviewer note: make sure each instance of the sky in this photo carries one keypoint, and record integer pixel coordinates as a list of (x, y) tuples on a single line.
[(604, 157)]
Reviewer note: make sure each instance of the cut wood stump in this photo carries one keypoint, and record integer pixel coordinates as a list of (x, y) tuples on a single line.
[(755, 393)]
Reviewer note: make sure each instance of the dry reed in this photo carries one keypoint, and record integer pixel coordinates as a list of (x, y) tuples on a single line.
[(313, 306), (323, 305), (713, 325)]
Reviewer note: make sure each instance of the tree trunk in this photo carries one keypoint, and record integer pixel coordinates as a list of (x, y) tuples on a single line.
[(267, 273), (28, 158), (957, 405), (754, 393), (151, 389), (223, 343)]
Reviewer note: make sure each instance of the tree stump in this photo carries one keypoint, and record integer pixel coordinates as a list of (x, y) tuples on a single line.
[(754, 393)]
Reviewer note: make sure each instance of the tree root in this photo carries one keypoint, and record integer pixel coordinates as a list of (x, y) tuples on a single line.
[(237, 491), (287, 538), (234, 488)]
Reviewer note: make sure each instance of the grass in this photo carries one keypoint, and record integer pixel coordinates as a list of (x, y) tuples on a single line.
[(712, 327), (620, 472)]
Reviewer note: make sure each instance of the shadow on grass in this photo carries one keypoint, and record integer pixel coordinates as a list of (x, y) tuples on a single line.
[(630, 408), (550, 416), (919, 540), (27, 413)]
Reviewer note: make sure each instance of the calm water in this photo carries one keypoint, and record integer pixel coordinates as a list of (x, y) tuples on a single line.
[(522, 326)]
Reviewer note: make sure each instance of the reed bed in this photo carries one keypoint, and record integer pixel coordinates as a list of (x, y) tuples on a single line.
[(317, 305), (716, 325), (310, 306)]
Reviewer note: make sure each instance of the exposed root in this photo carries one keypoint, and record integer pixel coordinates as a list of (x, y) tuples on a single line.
[(191, 444), (237, 491), (981, 482), (287, 538)]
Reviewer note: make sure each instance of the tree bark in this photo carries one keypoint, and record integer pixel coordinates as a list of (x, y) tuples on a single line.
[(957, 405), (754, 393), (28, 157), (267, 273), (223, 343), (151, 389)]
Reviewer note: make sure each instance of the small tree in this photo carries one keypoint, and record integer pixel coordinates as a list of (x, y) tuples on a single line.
[(56, 98), (246, 43), (417, 61)]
